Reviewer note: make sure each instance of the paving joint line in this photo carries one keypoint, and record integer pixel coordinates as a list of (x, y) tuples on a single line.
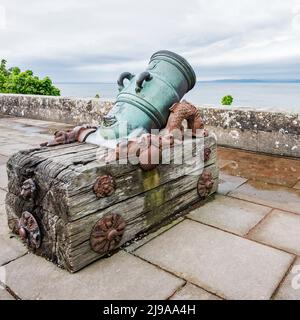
[(175, 275), (242, 237), (283, 278), (265, 205), (259, 222), (10, 291), (124, 248), (12, 260), (177, 290)]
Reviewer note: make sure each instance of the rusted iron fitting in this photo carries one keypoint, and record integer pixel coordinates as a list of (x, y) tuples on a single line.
[(107, 233), (205, 184), (79, 133), (29, 230), (206, 154), (145, 150), (104, 186), (184, 111)]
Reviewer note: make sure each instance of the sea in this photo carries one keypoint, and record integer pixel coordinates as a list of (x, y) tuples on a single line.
[(274, 96)]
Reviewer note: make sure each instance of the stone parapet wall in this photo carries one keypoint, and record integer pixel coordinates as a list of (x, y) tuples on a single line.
[(255, 130), (60, 109), (249, 129)]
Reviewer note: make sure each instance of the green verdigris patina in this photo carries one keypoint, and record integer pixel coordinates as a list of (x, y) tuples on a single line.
[(144, 102)]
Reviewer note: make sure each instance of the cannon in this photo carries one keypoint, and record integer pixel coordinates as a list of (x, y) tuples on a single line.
[(143, 103), (70, 202)]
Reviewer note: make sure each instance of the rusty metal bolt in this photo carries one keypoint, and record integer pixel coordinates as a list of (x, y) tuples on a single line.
[(104, 186), (205, 184), (207, 152), (107, 233), (28, 189), (29, 230)]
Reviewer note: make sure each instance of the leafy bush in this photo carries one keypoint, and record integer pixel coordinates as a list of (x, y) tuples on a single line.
[(227, 100), (14, 81)]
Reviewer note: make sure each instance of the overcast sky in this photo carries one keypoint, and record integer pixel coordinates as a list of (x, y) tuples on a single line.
[(95, 40)]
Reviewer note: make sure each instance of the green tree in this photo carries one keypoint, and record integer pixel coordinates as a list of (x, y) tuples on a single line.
[(14, 81), (227, 100)]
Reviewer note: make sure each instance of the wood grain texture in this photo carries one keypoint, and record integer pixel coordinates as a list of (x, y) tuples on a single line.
[(66, 207)]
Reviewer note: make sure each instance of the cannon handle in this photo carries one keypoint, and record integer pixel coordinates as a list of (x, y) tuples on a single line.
[(122, 77), (144, 76)]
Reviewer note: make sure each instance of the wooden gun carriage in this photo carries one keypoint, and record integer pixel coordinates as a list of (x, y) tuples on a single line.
[(72, 208)]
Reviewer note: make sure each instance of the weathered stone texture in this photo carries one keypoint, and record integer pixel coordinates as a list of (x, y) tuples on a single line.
[(255, 130), (61, 109), (263, 131)]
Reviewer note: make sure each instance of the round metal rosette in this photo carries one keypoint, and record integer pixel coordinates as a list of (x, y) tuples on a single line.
[(205, 184), (104, 186), (107, 233), (29, 230)]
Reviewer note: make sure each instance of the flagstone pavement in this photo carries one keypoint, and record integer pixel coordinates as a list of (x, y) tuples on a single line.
[(243, 243)]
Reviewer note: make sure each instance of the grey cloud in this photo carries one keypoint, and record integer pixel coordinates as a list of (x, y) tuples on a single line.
[(96, 40)]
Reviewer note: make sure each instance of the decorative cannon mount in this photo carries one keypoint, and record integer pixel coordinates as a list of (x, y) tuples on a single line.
[(74, 202)]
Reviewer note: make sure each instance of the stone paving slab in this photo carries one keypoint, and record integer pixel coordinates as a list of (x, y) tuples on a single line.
[(215, 260), (287, 199), (32, 126), (52, 125), (10, 249), (35, 122), (230, 214), (255, 166), (3, 176), (24, 139), (4, 230), (3, 140), (31, 122), (222, 263), (290, 287), (22, 131), (3, 159), (122, 276), (4, 295), (11, 148), (228, 183), (191, 292), (2, 197), (280, 229)]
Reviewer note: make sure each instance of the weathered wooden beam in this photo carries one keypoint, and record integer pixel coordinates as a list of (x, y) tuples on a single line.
[(67, 210)]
